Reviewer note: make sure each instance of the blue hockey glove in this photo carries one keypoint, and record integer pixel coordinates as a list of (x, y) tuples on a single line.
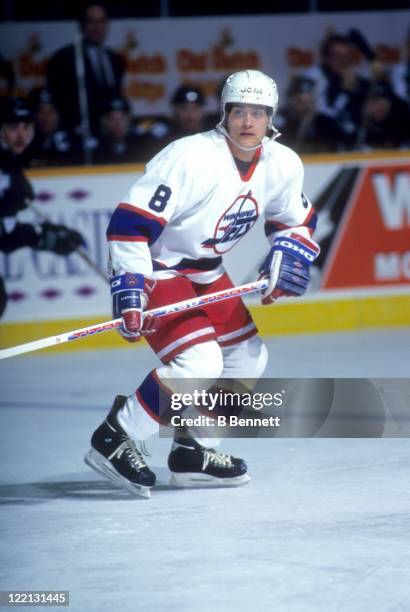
[(287, 267), (129, 299)]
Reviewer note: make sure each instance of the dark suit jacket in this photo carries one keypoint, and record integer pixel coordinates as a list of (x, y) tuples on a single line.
[(62, 81)]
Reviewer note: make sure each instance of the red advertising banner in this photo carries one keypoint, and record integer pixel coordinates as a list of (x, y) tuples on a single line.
[(371, 247)]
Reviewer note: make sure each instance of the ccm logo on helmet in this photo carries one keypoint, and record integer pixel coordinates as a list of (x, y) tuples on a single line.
[(294, 247), (255, 90)]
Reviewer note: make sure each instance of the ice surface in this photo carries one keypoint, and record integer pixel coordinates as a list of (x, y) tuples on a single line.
[(323, 526)]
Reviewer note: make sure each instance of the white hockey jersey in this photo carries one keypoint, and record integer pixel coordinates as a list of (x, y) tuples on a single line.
[(192, 205)]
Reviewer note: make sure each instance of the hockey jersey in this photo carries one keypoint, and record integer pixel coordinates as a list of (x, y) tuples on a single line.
[(192, 205)]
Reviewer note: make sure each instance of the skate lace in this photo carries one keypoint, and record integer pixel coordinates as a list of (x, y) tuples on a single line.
[(133, 453), (219, 459)]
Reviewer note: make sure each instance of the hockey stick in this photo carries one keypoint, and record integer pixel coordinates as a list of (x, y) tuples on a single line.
[(91, 264), (84, 256), (196, 302)]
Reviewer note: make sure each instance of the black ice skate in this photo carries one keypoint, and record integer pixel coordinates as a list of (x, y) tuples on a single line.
[(116, 456), (194, 466)]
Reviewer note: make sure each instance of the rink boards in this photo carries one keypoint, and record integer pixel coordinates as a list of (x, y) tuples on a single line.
[(362, 279)]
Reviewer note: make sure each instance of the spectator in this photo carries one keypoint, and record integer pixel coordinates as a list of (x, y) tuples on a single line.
[(103, 69), (119, 144), (386, 120), (301, 126), (400, 76), (188, 111), (341, 90), (51, 145), (188, 117)]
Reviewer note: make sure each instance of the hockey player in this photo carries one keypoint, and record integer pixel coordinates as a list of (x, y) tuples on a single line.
[(16, 193), (197, 198)]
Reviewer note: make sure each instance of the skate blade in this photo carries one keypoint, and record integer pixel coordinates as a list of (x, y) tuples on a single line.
[(195, 480), (98, 462)]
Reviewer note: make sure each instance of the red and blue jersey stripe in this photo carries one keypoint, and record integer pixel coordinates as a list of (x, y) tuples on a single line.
[(131, 224)]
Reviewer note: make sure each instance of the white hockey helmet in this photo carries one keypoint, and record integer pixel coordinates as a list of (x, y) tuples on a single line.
[(249, 87)]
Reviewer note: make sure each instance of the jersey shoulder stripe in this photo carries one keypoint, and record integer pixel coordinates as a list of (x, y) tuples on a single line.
[(141, 211), (129, 223)]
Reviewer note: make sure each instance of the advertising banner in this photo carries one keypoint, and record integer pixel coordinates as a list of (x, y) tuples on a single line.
[(363, 230), (160, 54), (367, 213)]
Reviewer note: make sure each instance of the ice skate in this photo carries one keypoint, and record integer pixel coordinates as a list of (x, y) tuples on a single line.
[(194, 466), (117, 457)]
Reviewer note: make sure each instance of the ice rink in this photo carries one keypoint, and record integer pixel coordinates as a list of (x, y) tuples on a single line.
[(323, 526)]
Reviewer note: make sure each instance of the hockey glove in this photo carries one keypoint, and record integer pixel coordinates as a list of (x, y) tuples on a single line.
[(129, 298), (287, 267), (59, 239)]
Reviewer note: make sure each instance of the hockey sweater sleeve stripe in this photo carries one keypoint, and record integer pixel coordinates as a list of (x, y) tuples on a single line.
[(132, 224)]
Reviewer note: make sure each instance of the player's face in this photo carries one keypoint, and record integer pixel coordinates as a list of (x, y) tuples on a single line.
[(247, 124), (17, 136)]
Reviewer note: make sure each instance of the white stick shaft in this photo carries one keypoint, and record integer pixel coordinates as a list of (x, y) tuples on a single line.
[(83, 332)]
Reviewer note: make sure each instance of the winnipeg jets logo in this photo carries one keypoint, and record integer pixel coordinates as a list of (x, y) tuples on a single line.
[(235, 222)]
